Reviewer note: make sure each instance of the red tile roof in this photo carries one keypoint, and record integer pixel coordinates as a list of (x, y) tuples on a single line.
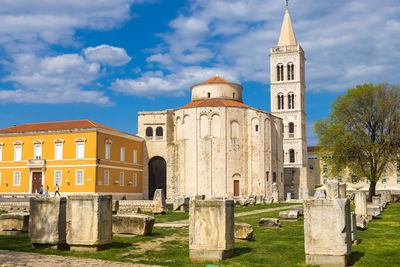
[(216, 79), (59, 125)]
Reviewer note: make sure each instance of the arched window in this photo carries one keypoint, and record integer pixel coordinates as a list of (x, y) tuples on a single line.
[(290, 71), (280, 101), (290, 101), (279, 70), (291, 129), (159, 131), (149, 131), (208, 94), (291, 156)]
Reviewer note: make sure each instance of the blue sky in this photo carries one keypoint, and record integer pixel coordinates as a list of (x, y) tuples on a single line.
[(107, 60)]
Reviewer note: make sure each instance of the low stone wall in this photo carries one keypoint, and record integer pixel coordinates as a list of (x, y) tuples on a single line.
[(15, 206), (132, 206)]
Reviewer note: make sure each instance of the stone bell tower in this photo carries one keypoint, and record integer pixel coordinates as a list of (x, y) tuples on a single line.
[(287, 63)]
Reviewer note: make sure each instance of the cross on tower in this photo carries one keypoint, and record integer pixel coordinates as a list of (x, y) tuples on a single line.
[(287, 3)]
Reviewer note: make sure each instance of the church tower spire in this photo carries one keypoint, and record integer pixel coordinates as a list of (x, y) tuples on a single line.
[(288, 92)]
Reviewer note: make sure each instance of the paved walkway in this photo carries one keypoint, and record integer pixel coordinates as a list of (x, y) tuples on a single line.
[(13, 259), (184, 223)]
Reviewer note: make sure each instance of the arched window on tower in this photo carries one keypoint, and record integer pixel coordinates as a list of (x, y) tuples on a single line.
[(149, 132), (281, 101), (291, 129), (291, 155), (290, 71), (279, 70), (159, 132), (290, 101)]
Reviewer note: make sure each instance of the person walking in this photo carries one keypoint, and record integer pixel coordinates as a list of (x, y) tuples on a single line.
[(57, 191), (46, 194), (41, 190)]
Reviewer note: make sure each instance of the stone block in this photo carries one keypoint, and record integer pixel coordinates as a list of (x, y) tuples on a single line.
[(269, 222), (360, 201), (354, 237), (47, 222), (376, 200), (289, 196), (275, 193), (332, 189), (252, 200), (14, 222), (361, 222), (327, 231), (200, 197), (319, 193), (243, 231), (138, 224), (300, 209), (159, 204), (242, 202), (259, 199), (180, 204), (342, 191), (268, 201), (89, 222), (211, 230), (373, 210), (289, 215)]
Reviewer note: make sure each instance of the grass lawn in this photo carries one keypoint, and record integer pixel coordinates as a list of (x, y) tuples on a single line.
[(272, 247)]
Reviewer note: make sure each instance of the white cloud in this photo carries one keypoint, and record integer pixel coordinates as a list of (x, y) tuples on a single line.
[(346, 42), (51, 80), (108, 55)]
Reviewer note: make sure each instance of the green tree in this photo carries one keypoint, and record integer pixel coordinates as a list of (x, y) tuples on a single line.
[(362, 133)]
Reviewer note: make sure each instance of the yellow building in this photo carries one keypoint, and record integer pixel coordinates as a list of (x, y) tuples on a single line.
[(80, 156)]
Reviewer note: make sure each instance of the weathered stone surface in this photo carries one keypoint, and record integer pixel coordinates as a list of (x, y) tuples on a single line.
[(269, 222), (211, 229), (300, 209), (135, 206), (373, 210), (159, 204), (14, 207), (252, 200), (243, 202), (14, 222), (319, 193), (327, 231), (360, 200), (115, 206), (275, 193), (387, 193), (292, 215), (243, 231), (332, 189), (342, 191), (354, 237), (327, 260), (200, 197), (268, 200), (361, 222), (138, 224), (259, 199), (180, 204), (289, 196), (47, 222), (89, 222), (376, 200)]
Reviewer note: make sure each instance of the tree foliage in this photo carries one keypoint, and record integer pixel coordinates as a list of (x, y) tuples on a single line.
[(362, 133)]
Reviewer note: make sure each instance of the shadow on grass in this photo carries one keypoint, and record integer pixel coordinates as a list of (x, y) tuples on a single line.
[(116, 244), (355, 256), (241, 251)]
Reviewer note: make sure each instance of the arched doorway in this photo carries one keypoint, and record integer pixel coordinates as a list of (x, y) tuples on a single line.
[(157, 176)]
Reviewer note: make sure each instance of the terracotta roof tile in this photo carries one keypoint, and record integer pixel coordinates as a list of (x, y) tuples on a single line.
[(217, 103), (216, 79), (59, 125)]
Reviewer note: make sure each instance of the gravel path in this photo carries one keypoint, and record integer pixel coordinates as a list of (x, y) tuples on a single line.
[(184, 223), (14, 259)]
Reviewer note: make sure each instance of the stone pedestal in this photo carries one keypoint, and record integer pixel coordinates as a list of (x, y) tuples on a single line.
[(342, 191), (159, 204), (275, 193), (332, 189), (89, 222), (376, 200), (138, 224), (243, 231), (354, 237), (319, 193), (327, 231), (373, 211), (47, 222), (360, 200), (289, 215), (211, 230), (14, 223)]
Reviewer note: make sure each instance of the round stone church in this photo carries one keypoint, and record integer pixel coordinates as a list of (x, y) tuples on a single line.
[(215, 146)]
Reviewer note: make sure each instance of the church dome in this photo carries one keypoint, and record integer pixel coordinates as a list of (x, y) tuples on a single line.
[(217, 88)]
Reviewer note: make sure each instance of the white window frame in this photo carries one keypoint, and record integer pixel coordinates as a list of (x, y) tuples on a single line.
[(15, 154), (122, 154), (77, 150), (135, 156), (121, 178), (107, 175), (56, 182), (19, 178), (107, 151), (1, 153), (55, 151), (134, 180), (34, 151), (76, 177)]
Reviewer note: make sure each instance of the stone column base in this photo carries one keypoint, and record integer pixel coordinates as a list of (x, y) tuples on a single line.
[(50, 246), (84, 248), (210, 255), (328, 260)]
